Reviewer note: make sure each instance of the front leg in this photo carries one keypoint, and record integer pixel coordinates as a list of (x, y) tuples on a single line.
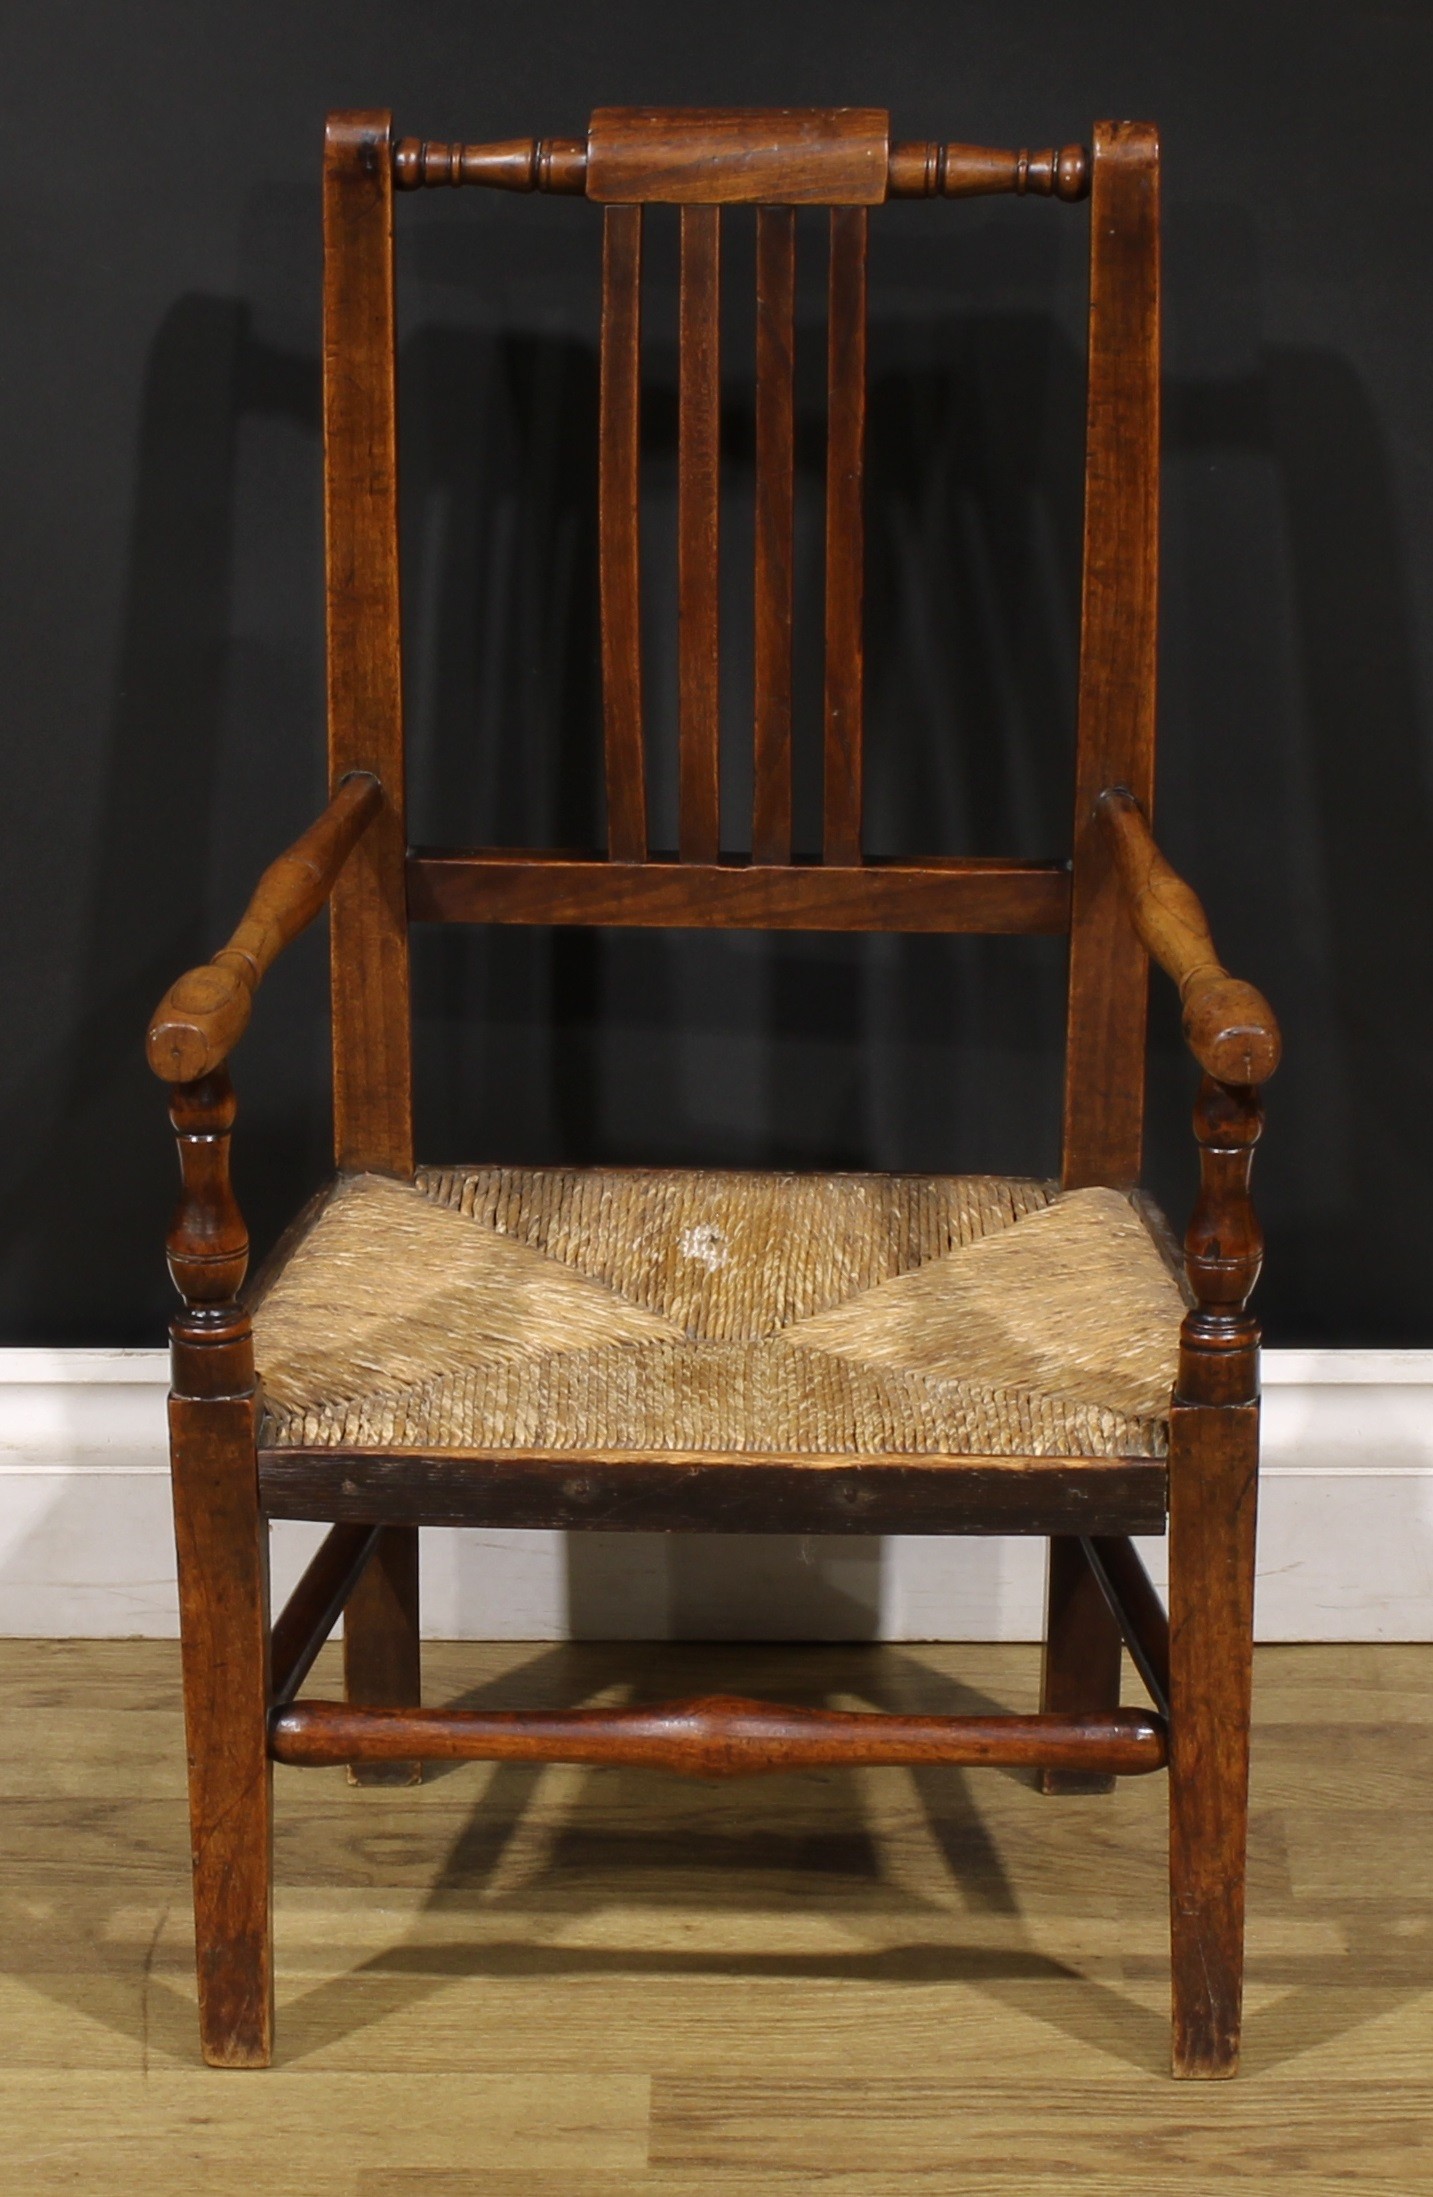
[(1213, 1487), (222, 1543)]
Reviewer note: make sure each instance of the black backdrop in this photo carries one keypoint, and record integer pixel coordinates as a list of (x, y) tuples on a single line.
[(162, 700)]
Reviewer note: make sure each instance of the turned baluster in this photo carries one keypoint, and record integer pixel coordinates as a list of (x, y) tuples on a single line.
[(1223, 1250), (516, 164), (975, 171), (208, 1245), (221, 1541), (1213, 1505)]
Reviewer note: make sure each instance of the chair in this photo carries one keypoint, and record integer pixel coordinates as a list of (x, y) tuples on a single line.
[(690, 1350)]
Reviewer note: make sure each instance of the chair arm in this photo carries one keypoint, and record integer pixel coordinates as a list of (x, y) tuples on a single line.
[(202, 1017), (1228, 1025)]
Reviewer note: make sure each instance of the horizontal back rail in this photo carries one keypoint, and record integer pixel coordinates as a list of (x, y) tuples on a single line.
[(952, 895), (921, 170)]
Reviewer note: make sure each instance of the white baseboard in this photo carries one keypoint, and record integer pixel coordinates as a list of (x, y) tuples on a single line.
[(1345, 1546)]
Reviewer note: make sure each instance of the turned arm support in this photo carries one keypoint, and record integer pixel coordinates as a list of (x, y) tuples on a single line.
[(1229, 1026), (202, 1017)]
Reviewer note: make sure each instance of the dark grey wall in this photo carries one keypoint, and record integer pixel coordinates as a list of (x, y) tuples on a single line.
[(159, 266)]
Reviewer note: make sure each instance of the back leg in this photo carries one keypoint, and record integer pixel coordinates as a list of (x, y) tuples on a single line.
[(381, 1656), (1081, 1675)]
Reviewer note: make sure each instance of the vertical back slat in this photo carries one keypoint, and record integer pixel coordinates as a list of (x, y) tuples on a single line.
[(1104, 1062), (698, 533), (372, 1024), (775, 523), (619, 494), (846, 425)]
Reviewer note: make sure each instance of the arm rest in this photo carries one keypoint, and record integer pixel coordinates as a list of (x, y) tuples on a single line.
[(1230, 1028), (202, 1017)]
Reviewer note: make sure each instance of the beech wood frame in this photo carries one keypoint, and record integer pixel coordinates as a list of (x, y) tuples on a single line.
[(1117, 899)]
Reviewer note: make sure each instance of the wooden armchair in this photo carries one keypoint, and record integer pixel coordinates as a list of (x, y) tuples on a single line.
[(682, 1351)]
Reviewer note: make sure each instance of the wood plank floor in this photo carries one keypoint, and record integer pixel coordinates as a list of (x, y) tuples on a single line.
[(564, 1983)]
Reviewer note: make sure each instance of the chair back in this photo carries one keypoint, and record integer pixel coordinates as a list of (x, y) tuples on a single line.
[(703, 161)]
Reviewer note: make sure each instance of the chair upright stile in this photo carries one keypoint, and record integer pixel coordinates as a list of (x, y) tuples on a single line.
[(693, 1350)]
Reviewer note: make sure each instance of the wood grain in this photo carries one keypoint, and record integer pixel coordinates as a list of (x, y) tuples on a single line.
[(1213, 1501), (208, 1244), (222, 1546), (718, 1735), (1118, 902), (845, 534), (1137, 1610), (619, 515), (1213, 1496), (708, 1491), (496, 886), (775, 531), (202, 1017), (1080, 1675), (368, 935), (1229, 1026), (591, 1982), (513, 164), (382, 1655), (975, 171), (316, 1605), (1223, 1251), (698, 536), (725, 156), (1104, 1057)]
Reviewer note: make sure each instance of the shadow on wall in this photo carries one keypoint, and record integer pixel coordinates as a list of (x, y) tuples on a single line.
[(746, 1049), (1297, 789), (1307, 823), (95, 1177), (1369, 774)]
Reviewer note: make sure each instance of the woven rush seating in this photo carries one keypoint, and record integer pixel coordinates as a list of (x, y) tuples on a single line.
[(510, 1309)]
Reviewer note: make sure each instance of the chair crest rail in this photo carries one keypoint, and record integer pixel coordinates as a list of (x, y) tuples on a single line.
[(559, 165)]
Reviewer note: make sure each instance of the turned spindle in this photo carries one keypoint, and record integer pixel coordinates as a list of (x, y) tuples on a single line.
[(1223, 1250), (516, 164), (208, 1244), (976, 171), (559, 164)]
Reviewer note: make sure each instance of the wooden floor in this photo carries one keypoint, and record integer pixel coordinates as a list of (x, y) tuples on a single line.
[(574, 1982)]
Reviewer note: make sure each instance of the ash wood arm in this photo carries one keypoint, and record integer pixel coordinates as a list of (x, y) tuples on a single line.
[(1230, 1027), (202, 1017)]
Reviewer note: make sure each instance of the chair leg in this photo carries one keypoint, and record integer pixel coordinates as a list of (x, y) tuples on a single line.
[(381, 1659), (222, 1544), (1081, 1674), (1213, 1483)]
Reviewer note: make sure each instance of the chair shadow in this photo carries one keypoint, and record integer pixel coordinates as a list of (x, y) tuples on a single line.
[(680, 1867), (122, 1957)]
